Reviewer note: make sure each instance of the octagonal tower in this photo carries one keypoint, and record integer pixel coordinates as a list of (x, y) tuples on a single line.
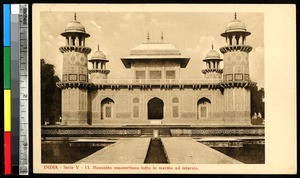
[(75, 75), (236, 79)]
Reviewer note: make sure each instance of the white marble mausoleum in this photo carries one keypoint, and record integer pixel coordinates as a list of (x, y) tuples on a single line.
[(155, 91)]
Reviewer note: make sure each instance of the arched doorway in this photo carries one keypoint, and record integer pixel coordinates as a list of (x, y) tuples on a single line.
[(107, 108), (155, 109), (203, 108)]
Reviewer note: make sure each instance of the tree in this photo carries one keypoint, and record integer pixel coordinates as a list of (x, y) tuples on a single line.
[(257, 102), (50, 94)]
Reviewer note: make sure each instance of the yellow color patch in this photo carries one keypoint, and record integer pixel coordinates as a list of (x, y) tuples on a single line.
[(7, 110)]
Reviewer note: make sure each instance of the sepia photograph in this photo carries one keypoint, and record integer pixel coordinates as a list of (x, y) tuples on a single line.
[(149, 91)]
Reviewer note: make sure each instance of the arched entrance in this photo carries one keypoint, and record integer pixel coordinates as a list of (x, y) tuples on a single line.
[(107, 108), (203, 107), (155, 108)]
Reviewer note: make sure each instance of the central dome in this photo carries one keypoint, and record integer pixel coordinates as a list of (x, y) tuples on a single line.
[(155, 48), (155, 51)]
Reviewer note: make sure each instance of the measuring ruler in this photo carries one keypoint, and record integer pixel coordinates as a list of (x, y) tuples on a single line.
[(24, 95)]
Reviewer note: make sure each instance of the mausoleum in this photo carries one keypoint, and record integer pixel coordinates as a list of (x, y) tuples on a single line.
[(155, 91)]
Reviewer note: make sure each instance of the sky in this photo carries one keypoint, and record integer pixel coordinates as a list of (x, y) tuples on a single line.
[(117, 33)]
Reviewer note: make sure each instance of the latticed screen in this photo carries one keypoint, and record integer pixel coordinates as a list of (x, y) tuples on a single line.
[(108, 111), (82, 101), (72, 77), (140, 75), (175, 111), (155, 74), (238, 76), (247, 77), (82, 77), (135, 111), (229, 77), (203, 111), (65, 77), (170, 74)]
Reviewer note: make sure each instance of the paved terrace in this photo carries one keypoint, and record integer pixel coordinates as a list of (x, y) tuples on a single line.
[(125, 151), (179, 151), (185, 150)]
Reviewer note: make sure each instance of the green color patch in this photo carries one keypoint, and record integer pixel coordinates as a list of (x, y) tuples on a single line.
[(7, 66)]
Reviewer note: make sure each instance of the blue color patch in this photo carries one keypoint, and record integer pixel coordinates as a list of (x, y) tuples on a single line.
[(6, 24)]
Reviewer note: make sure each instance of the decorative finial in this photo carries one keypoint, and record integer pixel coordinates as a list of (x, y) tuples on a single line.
[(212, 46), (162, 36), (75, 16), (98, 47), (148, 36), (235, 16)]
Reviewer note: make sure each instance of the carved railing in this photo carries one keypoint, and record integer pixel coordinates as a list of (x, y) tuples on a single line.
[(157, 81)]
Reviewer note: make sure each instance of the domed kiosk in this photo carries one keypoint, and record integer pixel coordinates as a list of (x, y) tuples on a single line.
[(236, 32), (76, 28), (98, 71), (212, 61)]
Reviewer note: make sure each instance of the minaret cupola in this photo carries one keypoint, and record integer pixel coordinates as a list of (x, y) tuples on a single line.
[(75, 33), (212, 60), (98, 71), (235, 32)]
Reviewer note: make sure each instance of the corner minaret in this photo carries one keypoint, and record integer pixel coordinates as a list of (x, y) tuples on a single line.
[(75, 75), (98, 71), (212, 61), (236, 79)]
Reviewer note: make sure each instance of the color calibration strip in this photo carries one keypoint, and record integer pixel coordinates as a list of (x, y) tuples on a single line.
[(24, 95), (7, 88)]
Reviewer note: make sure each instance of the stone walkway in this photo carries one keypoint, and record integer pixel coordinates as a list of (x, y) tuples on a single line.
[(180, 150), (184, 150), (125, 151)]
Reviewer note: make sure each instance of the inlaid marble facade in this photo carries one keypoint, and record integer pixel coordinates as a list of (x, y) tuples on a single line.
[(155, 91)]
